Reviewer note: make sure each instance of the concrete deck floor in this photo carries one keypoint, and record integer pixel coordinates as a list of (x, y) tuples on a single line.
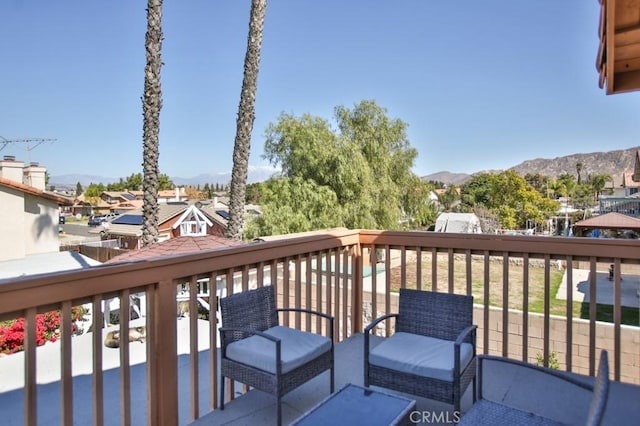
[(258, 408), (517, 387)]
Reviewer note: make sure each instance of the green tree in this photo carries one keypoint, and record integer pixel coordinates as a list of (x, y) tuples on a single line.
[(254, 191), (538, 181), (599, 182), (151, 106), (583, 196), (448, 198), (579, 168), (419, 211), (92, 192), (164, 182), (367, 164), (78, 189), (246, 116), (295, 205), (516, 203), (566, 184)]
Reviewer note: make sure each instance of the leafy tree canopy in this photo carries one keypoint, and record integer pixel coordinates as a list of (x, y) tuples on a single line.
[(510, 197), (295, 205), (134, 183), (362, 169)]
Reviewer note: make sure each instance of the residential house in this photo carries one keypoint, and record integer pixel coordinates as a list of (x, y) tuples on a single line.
[(116, 197), (174, 220), (627, 199), (29, 213), (217, 209), (172, 196), (29, 225)]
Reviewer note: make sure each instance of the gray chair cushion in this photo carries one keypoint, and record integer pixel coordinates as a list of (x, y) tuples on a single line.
[(297, 348), (420, 355)]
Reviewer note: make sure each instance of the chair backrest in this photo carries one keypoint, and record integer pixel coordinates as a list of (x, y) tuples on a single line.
[(600, 392), (254, 310), (439, 315)]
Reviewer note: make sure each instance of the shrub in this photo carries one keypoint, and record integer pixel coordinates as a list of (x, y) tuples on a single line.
[(553, 360), (47, 329)]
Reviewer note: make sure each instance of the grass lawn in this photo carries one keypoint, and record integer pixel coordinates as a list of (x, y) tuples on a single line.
[(630, 316)]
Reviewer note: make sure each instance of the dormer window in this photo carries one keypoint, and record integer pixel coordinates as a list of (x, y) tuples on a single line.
[(193, 222)]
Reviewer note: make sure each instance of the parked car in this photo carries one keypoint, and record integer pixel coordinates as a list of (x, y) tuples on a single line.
[(97, 220)]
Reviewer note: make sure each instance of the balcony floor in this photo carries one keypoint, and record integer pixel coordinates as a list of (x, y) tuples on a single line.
[(255, 407), (501, 383)]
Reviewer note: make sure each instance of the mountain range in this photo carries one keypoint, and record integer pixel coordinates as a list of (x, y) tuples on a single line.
[(613, 163), (256, 174)]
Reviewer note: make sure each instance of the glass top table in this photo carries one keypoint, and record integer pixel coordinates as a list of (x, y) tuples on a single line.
[(354, 405)]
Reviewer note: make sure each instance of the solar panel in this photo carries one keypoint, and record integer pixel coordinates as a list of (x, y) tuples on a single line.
[(223, 213), (128, 196), (128, 219)]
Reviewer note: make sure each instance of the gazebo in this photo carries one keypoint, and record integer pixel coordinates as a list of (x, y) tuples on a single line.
[(616, 222)]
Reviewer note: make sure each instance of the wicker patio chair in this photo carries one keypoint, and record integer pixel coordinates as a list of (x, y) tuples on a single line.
[(487, 412), (432, 352), (257, 351)]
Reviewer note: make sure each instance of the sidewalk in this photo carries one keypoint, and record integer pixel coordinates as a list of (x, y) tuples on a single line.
[(629, 286)]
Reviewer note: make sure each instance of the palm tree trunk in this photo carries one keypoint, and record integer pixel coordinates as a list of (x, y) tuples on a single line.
[(151, 105), (246, 116)]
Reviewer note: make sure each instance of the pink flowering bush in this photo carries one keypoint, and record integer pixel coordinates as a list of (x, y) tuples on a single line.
[(47, 329)]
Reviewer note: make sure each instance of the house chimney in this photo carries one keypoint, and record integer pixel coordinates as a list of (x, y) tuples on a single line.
[(177, 190), (34, 175), (11, 169)]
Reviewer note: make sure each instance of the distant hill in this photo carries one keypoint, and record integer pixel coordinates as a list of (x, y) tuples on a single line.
[(613, 163), (448, 178), (256, 174)]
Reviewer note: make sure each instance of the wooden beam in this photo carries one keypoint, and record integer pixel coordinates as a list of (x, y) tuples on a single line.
[(627, 82), (610, 43), (627, 36)]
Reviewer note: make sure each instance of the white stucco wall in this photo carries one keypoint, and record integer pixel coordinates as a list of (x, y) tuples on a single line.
[(11, 224), (40, 225)]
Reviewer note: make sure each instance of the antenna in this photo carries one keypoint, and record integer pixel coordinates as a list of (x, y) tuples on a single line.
[(4, 142)]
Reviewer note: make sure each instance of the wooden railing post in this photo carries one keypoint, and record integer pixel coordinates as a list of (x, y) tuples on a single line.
[(163, 360), (357, 288)]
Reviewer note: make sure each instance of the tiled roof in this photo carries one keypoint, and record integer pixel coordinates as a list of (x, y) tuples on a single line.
[(35, 191), (628, 181), (174, 246), (611, 220)]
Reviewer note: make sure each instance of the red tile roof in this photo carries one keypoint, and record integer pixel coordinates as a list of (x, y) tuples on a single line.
[(174, 246), (35, 191)]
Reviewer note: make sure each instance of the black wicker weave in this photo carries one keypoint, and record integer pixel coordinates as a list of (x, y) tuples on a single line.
[(439, 315), (487, 412), (250, 313)]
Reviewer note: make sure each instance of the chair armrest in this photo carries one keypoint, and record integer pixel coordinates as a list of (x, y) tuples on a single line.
[(563, 375), (309, 311), (246, 331), (367, 344), (464, 333), (377, 321), (306, 311)]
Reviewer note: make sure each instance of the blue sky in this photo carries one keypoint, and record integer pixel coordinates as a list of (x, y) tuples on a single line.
[(482, 85)]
